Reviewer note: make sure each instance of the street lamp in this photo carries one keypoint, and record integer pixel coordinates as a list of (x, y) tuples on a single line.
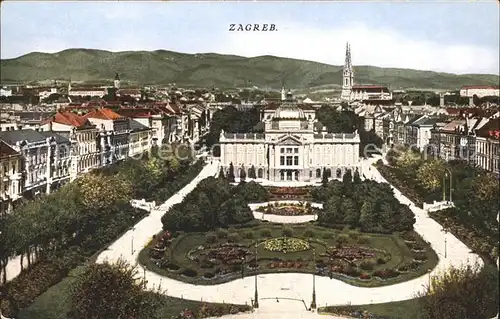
[(429, 287), (313, 302), (256, 300), (445, 243), (132, 245), (144, 273), (446, 173)]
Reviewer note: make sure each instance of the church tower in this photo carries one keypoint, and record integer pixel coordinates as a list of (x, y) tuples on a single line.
[(116, 83), (347, 75), (283, 94)]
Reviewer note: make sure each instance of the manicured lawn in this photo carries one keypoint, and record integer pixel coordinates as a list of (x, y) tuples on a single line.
[(407, 309), (55, 302), (215, 257)]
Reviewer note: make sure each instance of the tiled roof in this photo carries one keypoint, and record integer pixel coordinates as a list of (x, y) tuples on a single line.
[(58, 138), (12, 137), (69, 118), (450, 127), (6, 150), (103, 114)]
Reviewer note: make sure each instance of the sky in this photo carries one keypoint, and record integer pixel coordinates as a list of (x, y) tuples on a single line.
[(456, 37)]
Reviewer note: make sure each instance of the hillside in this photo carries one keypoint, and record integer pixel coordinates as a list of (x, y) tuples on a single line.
[(209, 69)]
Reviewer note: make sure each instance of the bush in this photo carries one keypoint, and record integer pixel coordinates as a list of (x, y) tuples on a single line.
[(233, 237), (266, 232), (188, 272), (327, 235), (381, 261), (209, 275), (363, 240), (420, 256), (309, 233), (342, 239), (173, 267), (367, 265), (248, 235), (222, 233), (210, 238), (287, 231), (354, 235)]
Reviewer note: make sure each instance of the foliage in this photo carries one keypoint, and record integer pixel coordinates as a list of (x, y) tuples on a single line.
[(212, 204), (230, 173), (243, 174), (430, 174), (286, 244), (462, 292), (110, 291), (252, 173), (378, 211)]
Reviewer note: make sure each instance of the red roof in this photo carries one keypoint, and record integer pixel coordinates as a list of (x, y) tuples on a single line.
[(103, 114), (69, 118), (369, 87), (6, 150)]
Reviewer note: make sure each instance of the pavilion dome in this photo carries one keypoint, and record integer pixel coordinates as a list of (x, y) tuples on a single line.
[(289, 111)]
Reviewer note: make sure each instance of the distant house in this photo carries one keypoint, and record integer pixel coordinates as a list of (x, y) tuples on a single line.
[(479, 90)]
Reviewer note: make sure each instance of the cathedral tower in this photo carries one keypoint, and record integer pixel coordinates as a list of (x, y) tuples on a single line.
[(347, 75), (116, 83)]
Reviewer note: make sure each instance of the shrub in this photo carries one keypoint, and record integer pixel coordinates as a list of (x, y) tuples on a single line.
[(381, 261), (365, 276), (266, 232), (190, 272), (367, 265), (342, 239), (363, 240), (420, 256), (233, 237), (173, 267), (327, 235), (287, 231), (209, 275), (210, 238), (222, 233), (309, 233), (248, 235), (354, 235)]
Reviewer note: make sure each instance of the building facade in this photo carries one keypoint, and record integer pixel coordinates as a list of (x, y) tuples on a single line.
[(291, 148), (11, 178)]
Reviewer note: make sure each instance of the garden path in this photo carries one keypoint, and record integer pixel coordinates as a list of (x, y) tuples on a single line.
[(299, 286)]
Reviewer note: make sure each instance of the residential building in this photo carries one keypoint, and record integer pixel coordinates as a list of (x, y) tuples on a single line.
[(479, 90), (487, 146), (11, 178), (140, 138)]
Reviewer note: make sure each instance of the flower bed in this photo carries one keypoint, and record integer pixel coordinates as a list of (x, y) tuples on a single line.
[(286, 244), (350, 253), (287, 209)]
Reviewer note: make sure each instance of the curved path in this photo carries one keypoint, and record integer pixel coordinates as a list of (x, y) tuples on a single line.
[(291, 285)]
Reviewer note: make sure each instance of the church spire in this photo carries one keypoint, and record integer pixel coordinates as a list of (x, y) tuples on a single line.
[(347, 75)]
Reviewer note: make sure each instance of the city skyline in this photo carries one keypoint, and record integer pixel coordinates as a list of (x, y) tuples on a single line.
[(444, 37)]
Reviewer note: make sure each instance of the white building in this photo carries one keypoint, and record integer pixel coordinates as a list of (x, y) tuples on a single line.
[(4, 91), (291, 149), (480, 90)]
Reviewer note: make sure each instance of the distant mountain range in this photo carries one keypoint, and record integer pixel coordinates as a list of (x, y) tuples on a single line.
[(215, 70)]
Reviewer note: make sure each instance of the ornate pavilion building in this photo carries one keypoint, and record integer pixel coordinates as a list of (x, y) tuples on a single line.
[(293, 147)]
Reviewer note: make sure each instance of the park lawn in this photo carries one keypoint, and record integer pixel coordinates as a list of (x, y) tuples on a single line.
[(393, 245), (406, 309), (55, 302)]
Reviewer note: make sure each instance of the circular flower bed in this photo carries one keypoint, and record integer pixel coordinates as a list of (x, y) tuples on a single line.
[(287, 209), (286, 244)]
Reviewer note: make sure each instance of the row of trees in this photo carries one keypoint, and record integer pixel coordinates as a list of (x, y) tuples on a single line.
[(376, 211), (474, 191), (252, 173), (59, 229), (214, 203)]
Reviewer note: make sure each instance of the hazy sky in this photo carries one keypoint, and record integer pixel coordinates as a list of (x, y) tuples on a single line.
[(452, 37)]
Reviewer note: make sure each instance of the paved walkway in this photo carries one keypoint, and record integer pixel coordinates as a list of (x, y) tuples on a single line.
[(291, 285)]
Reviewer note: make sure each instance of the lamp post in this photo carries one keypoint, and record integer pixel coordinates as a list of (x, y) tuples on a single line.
[(132, 245), (445, 243), (313, 302), (429, 286), (256, 297), (144, 273), (446, 173)]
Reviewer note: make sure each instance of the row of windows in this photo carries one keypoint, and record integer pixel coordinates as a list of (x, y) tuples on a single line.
[(289, 160), (289, 150)]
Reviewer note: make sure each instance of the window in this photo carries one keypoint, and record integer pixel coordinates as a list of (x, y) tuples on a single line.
[(296, 150), (282, 160), (289, 150), (282, 150), (289, 160), (318, 173), (295, 160)]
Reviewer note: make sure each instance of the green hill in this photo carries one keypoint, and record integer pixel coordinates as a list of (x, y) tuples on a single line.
[(210, 69)]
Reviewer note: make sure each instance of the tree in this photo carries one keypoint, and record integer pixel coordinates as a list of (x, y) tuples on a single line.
[(356, 178), (430, 174), (243, 174), (221, 173), (462, 292), (230, 173), (347, 178), (324, 177), (351, 214), (110, 291), (101, 192), (252, 173), (367, 218)]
